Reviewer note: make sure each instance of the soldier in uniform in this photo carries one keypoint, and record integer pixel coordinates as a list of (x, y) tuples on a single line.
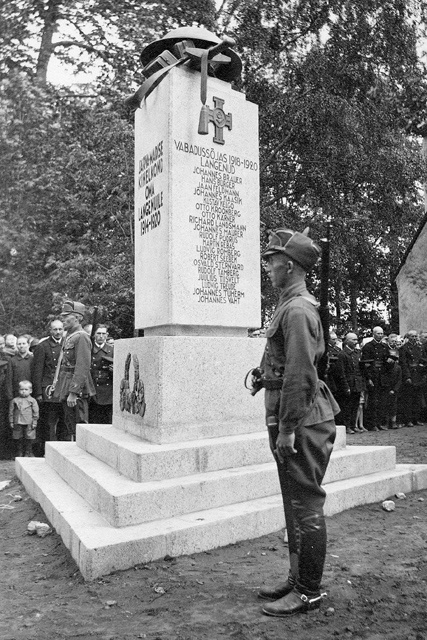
[(350, 383), (101, 405), (46, 354), (413, 377), (74, 385), (300, 413), (373, 361)]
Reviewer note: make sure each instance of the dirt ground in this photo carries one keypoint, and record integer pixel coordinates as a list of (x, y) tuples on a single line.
[(375, 578)]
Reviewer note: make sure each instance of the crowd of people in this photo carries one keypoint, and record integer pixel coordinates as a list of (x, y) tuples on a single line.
[(49, 385), (380, 384)]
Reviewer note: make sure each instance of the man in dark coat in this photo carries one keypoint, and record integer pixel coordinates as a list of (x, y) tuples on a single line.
[(373, 362), (46, 355), (350, 383), (392, 382), (74, 386), (300, 413), (413, 378), (101, 404), (19, 367)]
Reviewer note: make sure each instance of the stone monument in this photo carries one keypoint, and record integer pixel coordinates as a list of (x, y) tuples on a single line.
[(197, 272), (186, 465)]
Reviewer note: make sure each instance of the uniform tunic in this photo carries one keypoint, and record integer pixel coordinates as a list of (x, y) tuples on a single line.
[(51, 424), (101, 405), (74, 375), (101, 373), (46, 356), (294, 347)]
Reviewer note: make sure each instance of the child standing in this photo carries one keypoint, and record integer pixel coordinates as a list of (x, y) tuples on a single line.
[(23, 417)]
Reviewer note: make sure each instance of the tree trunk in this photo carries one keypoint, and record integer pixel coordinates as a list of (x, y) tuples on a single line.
[(353, 305), (337, 304), (50, 19)]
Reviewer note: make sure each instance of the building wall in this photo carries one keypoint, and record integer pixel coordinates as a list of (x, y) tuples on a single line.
[(412, 287)]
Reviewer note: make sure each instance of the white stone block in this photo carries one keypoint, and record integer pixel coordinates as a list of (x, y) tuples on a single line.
[(359, 461), (366, 489), (196, 210), (194, 387), (143, 461)]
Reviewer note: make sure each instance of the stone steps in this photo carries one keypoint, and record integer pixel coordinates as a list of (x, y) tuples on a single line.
[(123, 502), (144, 461), (98, 548)]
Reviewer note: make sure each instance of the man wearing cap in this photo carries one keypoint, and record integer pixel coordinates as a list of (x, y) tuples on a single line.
[(373, 364), (101, 405), (74, 385), (46, 355), (300, 413)]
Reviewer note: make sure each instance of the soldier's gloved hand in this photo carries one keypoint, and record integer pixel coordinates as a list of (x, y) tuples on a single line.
[(72, 399), (285, 446), (370, 383), (409, 381), (391, 392)]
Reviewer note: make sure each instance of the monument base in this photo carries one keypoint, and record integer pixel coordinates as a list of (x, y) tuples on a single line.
[(118, 501), (193, 387)]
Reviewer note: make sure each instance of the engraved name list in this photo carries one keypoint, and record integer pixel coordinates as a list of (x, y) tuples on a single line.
[(217, 224)]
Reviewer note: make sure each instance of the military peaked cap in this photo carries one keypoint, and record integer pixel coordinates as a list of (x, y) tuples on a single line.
[(297, 246), (76, 308)]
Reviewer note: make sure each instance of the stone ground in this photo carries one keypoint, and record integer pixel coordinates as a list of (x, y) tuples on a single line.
[(375, 578)]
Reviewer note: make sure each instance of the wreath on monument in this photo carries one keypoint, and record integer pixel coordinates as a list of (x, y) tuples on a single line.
[(132, 401)]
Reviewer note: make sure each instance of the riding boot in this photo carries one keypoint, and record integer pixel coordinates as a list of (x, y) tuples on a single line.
[(274, 592), (312, 550)]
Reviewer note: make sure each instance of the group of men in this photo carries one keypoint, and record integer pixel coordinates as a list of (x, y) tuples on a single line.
[(382, 384), (71, 378)]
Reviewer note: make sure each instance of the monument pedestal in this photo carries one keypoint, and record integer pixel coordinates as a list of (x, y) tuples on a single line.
[(193, 387)]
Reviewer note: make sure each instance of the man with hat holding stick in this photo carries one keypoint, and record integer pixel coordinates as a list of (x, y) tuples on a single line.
[(300, 413), (73, 384)]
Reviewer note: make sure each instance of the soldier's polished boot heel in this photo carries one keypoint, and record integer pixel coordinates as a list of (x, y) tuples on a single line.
[(293, 602), (268, 592)]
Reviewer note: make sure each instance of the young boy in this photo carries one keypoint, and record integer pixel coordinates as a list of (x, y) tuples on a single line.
[(23, 417)]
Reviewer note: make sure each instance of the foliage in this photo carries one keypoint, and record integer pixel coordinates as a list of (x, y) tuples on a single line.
[(333, 137), (67, 206), (342, 94)]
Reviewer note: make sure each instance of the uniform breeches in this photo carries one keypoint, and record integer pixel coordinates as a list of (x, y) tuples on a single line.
[(303, 498), (74, 415)]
